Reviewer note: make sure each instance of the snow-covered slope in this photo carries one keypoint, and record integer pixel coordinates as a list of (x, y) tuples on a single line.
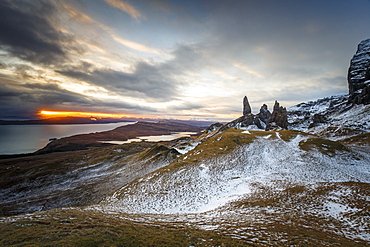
[(254, 166), (320, 106), (309, 185), (199, 185), (83, 179), (269, 188), (331, 117)]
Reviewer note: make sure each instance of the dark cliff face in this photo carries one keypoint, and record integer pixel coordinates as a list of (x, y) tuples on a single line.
[(359, 74)]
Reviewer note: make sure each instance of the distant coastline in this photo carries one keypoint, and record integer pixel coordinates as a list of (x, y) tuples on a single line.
[(33, 139), (68, 120), (76, 120)]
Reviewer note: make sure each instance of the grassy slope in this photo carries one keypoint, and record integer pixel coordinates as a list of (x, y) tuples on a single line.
[(292, 217), (299, 215), (361, 142), (74, 227), (34, 183), (31, 183), (225, 142)]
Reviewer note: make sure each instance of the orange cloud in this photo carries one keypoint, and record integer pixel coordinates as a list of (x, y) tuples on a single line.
[(47, 113), (125, 7), (135, 46), (248, 70), (131, 10)]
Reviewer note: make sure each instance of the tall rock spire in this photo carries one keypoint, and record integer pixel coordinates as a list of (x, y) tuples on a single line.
[(246, 107)]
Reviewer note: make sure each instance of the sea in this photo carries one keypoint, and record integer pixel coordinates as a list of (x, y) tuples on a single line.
[(17, 139)]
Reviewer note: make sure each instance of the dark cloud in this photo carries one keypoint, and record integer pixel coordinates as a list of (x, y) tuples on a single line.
[(117, 107), (274, 35), (188, 57), (269, 50), (156, 81), (29, 32), (26, 99), (146, 81), (42, 95)]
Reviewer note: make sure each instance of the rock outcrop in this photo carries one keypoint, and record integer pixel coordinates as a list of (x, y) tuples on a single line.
[(246, 107), (264, 120), (213, 127), (359, 74), (279, 118), (243, 121), (317, 119), (264, 114)]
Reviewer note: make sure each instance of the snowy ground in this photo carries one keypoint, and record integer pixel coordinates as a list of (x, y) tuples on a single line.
[(269, 192), (342, 120), (212, 183)]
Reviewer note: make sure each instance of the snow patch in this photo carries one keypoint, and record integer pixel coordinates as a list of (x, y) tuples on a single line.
[(336, 210), (187, 148), (278, 135), (215, 182)]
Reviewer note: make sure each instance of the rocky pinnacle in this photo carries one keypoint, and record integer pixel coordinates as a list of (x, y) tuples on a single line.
[(278, 118), (246, 107)]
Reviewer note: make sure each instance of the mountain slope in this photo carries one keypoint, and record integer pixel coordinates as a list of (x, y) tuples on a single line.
[(284, 184), (258, 187), (331, 117), (200, 180), (75, 179)]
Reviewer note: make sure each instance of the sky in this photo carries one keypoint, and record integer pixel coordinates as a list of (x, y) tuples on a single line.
[(188, 59)]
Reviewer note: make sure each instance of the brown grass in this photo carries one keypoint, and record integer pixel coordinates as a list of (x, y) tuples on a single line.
[(325, 146), (72, 227)]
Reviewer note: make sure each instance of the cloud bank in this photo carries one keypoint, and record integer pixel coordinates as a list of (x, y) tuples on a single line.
[(179, 59)]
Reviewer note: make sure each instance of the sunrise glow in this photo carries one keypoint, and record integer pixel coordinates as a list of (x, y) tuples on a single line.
[(47, 113), (179, 62)]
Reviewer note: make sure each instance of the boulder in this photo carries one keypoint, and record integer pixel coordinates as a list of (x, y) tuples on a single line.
[(316, 119), (259, 123)]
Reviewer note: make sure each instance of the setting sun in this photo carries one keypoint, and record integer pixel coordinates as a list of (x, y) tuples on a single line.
[(47, 113)]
